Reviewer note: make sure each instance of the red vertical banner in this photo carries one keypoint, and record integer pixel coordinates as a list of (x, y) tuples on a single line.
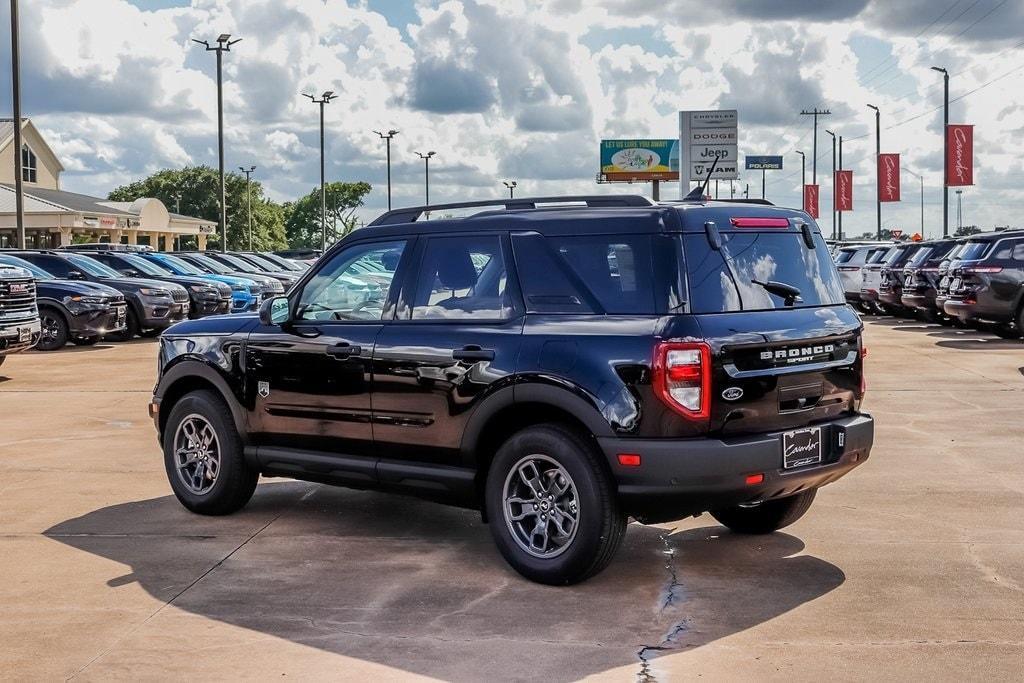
[(844, 190), (959, 155), (888, 177), (811, 200)]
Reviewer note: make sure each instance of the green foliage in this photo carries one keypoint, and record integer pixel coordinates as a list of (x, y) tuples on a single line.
[(964, 230), (302, 217), (195, 191)]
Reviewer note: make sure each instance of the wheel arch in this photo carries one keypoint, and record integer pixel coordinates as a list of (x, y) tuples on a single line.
[(193, 375)]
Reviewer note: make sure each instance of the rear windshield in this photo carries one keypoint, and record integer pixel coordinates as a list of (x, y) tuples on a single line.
[(920, 257), (722, 281), (973, 251), (876, 257), (893, 255), (845, 255)]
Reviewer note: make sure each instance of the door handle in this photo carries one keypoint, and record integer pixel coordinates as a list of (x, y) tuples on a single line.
[(344, 350), (473, 352)]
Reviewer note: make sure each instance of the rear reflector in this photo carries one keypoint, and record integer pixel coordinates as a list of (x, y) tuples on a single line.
[(849, 268), (629, 459), (750, 222), (754, 479)]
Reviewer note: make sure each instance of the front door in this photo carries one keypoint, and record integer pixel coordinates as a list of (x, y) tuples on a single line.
[(309, 380)]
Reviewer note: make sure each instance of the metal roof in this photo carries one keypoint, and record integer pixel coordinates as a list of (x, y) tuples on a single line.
[(69, 201)]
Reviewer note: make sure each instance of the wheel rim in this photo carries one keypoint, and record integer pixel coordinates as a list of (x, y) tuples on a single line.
[(50, 328), (196, 454), (541, 506)]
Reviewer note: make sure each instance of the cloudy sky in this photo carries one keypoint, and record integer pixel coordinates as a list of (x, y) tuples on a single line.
[(524, 90)]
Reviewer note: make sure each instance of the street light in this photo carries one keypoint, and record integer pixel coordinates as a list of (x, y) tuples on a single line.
[(324, 99), (19, 194), (511, 185), (878, 179), (426, 173), (945, 150), (920, 178), (386, 137), (803, 169), (248, 197), (223, 45)]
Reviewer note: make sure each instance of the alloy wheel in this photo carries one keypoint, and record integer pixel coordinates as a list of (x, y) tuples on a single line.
[(197, 454), (541, 506), (50, 328)]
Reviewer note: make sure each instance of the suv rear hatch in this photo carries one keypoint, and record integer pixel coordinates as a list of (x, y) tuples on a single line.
[(778, 360)]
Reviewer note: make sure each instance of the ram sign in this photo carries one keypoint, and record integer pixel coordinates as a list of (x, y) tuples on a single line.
[(637, 160)]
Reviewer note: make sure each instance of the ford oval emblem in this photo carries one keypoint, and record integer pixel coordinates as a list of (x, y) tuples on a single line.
[(732, 394)]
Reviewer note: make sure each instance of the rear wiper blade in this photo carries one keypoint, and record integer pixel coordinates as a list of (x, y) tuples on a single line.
[(789, 293)]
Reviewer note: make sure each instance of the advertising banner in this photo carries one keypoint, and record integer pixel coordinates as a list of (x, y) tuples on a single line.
[(888, 177), (844, 191), (811, 200), (959, 155), (643, 159)]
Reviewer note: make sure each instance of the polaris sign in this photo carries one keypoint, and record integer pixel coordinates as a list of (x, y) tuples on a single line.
[(764, 163)]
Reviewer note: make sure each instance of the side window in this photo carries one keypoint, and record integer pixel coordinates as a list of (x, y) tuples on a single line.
[(58, 267), (1005, 251), (547, 287), (462, 278), (1018, 250), (354, 285)]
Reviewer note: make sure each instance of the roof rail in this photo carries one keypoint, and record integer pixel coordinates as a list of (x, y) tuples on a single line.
[(412, 213)]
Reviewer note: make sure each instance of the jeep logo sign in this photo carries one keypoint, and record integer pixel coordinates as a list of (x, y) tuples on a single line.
[(798, 354)]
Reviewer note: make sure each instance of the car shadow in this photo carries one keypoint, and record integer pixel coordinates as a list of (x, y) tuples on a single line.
[(981, 344), (420, 587)]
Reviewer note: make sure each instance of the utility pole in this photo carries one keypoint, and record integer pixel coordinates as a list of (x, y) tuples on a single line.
[(224, 44), (19, 192), (324, 99), (732, 190), (921, 179), (833, 185), (511, 185), (762, 183), (959, 210), (945, 149), (833, 182), (386, 137), (248, 197), (814, 151), (878, 175), (426, 176)]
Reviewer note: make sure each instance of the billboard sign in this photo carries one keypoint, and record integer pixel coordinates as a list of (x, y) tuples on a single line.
[(641, 159), (844, 191), (811, 200), (888, 177), (703, 137), (959, 155), (763, 163)]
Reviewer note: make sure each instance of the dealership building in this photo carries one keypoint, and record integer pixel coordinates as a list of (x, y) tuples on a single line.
[(54, 217)]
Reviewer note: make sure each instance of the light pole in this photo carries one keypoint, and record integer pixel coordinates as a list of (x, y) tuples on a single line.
[(426, 173), (833, 182), (945, 150), (511, 188), (248, 197), (386, 137), (803, 169), (19, 194), (959, 210), (324, 99), (224, 44), (921, 179), (840, 228), (878, 179)]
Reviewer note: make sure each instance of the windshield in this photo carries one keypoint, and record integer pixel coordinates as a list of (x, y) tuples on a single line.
[(920, 257), (210, 264), (37, 272), (145, 267), (973, 251), (282, 262), (93, 267), (236, 262), (723, 281), (176, 265), (261, 262)]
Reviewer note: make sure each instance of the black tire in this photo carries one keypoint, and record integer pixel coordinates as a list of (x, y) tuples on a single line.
[(54, 330), (235, 479), (1008, 331), (85, 341), (601, 525), (150, 334), (767, 517)]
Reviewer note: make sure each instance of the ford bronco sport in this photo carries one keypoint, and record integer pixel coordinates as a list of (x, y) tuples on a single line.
[(559, 368)]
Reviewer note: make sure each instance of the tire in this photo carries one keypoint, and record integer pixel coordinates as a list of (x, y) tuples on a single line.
[(553, 451), (54, 330), (233, 483), (766, 517), (1009, 331), (85, 341)]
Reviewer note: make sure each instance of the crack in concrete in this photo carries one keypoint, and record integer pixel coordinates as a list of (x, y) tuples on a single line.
[(671, 598)]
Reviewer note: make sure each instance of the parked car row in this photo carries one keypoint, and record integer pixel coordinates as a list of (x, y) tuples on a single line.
[(973, 281), (84, 295)]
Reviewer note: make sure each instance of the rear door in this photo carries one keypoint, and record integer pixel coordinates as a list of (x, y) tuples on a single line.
[(455, 339)]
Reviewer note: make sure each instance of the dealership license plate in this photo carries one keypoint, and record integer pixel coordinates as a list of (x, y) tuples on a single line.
[(909, 281), (24, 334), (801, 447), (955, 285)]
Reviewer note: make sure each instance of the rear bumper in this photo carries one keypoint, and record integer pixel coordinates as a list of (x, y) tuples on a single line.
[(918, 300), (892, 297), (679, 478), (975, 312)]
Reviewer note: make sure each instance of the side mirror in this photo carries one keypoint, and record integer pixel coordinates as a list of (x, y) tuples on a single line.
[(274, 311), (76, 275)]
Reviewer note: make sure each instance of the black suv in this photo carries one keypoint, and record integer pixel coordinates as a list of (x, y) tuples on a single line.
[(558, 368), (987, 282), (76, 311), (890, 285), (921, 277), (19, 317)]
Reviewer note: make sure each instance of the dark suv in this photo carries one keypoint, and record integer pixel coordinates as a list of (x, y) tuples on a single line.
[(921, 277), (890, 284), (557, 368), (987, 282)]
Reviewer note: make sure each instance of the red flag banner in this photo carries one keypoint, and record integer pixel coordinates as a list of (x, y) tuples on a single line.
[(811, 200), (844, 190), (959, 155), (888, 177)]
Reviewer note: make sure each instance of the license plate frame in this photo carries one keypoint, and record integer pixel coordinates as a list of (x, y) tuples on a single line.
[(802, 447), (24, 334)]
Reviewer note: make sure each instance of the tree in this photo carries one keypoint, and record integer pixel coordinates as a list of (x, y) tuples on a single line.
[(195, 191), (302, 217), (965, 230)]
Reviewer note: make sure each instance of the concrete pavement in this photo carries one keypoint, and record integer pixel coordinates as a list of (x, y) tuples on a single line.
[(911, 566)]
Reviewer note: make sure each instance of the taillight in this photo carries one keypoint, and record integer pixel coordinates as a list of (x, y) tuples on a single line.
[(682, 377), (982, 269), (752, 222), (848, 269)]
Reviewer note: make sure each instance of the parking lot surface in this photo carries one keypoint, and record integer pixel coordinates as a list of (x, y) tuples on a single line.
[(914, 564)]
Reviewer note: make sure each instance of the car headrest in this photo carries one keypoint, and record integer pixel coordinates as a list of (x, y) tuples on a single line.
[(455, 269)]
